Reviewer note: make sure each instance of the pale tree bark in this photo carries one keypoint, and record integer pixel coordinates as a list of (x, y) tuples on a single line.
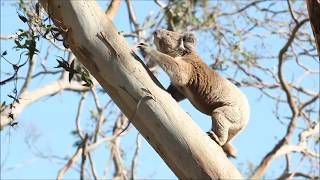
[(92, 37), (113, 8)]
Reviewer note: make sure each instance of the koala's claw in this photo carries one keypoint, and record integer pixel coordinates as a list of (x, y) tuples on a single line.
[(142, 44), (144, 49), (214, 137)]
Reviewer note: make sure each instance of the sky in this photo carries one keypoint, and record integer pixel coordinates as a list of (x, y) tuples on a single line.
[(52, 118)]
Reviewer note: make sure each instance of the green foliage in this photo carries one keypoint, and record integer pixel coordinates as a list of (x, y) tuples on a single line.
[(180, 13), (22, 18), (81, 73), (186, 14), (74, 133), (14, 98), (26, 40), (94, 114), (77, 143)]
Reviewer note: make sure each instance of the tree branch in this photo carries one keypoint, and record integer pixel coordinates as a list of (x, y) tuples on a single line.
[(28, 98), (29, 75), (135, 157), (93, 169), (77, 154), (279, 149), (113, 8), (314, 14)]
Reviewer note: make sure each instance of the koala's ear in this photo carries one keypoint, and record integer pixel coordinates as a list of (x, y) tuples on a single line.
[(189, 38)]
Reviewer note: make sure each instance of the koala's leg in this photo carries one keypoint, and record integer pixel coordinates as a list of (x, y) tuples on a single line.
[(175, 93), (223, 120)]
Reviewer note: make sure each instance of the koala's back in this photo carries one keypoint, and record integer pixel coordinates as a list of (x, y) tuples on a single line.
[(207, 90)]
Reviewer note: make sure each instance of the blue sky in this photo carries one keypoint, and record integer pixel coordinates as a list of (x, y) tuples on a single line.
[(52, 118)]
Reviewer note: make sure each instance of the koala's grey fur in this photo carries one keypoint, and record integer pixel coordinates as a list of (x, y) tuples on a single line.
[(209, 92)]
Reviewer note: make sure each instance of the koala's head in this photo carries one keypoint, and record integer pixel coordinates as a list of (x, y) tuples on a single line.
[(167, 42), (173, 43)]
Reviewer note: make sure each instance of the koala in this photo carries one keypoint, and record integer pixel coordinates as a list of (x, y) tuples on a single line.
[(207, 91)]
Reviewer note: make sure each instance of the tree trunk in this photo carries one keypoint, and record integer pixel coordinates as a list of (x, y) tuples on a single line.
[(92, 37), (314, 14)]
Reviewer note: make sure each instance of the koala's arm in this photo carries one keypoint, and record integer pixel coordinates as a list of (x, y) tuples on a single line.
[(178, 70), (175, 93)]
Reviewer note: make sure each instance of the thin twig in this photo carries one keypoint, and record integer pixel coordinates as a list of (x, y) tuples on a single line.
[(29, 76), (113, 8), (291, 12), (83, 157), (133, 20), (93, 169), (78, 116), (243, 8), (283, 83), (135, 157), (77, 154), (7, 37), (260, 170), (100, 117), (70, 162), (120, 171)]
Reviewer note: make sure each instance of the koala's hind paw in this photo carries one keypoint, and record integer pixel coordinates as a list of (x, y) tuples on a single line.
[(228, 149), (214, 137)]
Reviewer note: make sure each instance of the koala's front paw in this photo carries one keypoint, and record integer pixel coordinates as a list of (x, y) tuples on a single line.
[(144, 49)]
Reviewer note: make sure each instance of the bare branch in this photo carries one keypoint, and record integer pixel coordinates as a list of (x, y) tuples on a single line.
[(133, 20), (93, 169), (113, 8), (284, 84), (100, 117), (243, 8), (28, 98), (299, 174), (160, 4), (84, 154), (78, 116), (7, 37), (120, 171), (135, 157), (262, 167), (77, 154), (70, 163), (291, 12), (29, 75)]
